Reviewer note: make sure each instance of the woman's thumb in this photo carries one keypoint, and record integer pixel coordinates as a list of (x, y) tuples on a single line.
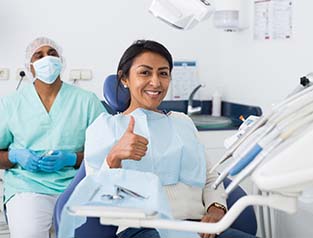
[(131, 125)]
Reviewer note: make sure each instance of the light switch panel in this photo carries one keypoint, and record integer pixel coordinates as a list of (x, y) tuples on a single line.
[(4, 73)]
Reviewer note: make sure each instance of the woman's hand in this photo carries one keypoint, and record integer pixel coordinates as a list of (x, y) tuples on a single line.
[(130, 146), (213, 215)]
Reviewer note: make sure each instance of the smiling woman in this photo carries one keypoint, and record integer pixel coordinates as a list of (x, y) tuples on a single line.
[(145, 68), (148, 81)]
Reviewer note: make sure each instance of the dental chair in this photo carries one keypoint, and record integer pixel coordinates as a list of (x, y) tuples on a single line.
[(116, 100)]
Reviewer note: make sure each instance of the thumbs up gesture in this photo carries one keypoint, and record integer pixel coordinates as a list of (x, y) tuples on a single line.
[(130, 146)]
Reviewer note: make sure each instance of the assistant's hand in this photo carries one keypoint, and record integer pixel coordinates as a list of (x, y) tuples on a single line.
[(130, 146), (57, 160), (214, 215), (26, 158)]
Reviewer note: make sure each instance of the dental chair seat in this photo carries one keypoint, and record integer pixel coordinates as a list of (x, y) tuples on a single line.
[(246, 222), (114, 95)]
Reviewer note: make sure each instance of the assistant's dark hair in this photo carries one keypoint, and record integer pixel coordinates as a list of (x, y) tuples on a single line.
[(137, 48)]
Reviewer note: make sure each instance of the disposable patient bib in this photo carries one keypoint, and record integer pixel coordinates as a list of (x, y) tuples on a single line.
[(164, 149), (174, 152)]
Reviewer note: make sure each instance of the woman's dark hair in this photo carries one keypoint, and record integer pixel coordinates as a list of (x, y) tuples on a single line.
[(137, 48)]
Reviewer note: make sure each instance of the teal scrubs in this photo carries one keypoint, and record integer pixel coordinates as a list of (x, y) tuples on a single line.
[(25, 124)]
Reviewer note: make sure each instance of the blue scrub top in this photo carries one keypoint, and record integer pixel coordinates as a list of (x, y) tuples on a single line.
[(25, 124)]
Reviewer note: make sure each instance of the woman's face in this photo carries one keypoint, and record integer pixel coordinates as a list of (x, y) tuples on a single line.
[(148, 81)]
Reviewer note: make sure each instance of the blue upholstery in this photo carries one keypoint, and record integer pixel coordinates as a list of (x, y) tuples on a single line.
[(246, 222), (115, 95)]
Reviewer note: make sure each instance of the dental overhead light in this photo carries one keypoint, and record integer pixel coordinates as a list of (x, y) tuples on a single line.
[(182, 14), (228, 15)]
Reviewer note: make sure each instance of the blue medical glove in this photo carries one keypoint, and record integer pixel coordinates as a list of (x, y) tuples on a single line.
[(57, 160), (26, 158)]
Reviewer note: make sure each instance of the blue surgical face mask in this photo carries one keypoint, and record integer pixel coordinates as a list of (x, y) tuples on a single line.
[(47, 69)]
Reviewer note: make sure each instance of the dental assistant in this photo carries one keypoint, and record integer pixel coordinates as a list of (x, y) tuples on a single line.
[(42, 135)]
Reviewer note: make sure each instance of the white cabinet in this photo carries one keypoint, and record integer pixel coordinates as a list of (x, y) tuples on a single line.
[(214, 145), (214, 142)]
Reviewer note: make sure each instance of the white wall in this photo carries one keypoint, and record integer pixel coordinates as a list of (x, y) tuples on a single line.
[(95, 33), (264, 72)]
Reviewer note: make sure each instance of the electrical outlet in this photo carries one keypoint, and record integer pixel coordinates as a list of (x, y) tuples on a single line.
[(80, 74), (86, 74), (75, 74), (4, 73), (18, 74)]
